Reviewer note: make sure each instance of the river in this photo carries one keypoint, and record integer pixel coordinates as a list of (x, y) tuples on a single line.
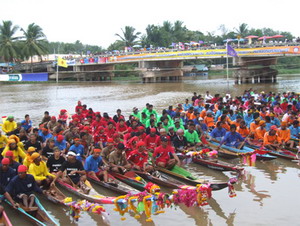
[(267, 193)]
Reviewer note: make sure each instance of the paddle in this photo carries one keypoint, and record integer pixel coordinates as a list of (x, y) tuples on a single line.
[(242, 143)]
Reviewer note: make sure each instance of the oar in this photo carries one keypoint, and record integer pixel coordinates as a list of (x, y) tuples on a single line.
[(242, 143)]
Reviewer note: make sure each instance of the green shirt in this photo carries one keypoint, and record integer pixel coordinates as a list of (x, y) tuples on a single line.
[(192, 137)]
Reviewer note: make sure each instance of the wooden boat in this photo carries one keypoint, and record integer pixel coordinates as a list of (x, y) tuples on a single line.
[(132, 179), (161, 179), (91, 196), (38, 215), (54, 195), (216, 164), (222, 152), (265, 157), (113, 185), (286, 154), (182, 174), (4, 220)]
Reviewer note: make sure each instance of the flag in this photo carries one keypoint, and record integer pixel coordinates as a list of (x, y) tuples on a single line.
[(231, 51), (61, 62)]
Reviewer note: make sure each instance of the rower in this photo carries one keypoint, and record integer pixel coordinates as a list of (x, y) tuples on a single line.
[(39, 170), (139, 158), (180, 141), (107, 150), (254, 125), (78, 148), (118, 161), (243, 129), (284, 134), (3, 141), (23, 186), (232, 138), (48, 149), (150, 140), (92, 165), (9, 198), (271, 139), (260, 131), (192, 136), (6, 172), (218, 133), (17, 151), (12, 163), (74, 171), (55, 161), (162, 155), (295, 130), (27, 161)]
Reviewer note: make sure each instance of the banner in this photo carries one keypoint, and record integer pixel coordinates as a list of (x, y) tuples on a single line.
[(33, 77), (210, 53)]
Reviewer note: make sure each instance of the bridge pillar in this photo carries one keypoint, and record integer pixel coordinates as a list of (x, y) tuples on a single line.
[(161, 71)]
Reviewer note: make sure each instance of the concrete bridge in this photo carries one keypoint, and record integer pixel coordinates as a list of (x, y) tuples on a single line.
[(167, 66)]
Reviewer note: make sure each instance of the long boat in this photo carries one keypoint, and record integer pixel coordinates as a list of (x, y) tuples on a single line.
[(54, 195), (4, 220), (113, 185), (216, 164), (132, 179), (265, 157), (92, 195), (286, 154), (161, 179), (222, 152), (184, 175), (38, 215)]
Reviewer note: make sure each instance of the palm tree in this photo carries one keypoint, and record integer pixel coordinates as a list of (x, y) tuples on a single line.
[(241, 31), (35, 42), (129, 36), (8, 41)]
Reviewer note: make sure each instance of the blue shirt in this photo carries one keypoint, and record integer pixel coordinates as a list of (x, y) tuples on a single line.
[(275, 122), (218, 114), (218, 133), (61, 145), (248, 119), (92, 164), (27, 185), (231, 139), (294, 132), (79, 150), (44, 137), (26, 125), (268, 126), (5, 177), (187, 106)]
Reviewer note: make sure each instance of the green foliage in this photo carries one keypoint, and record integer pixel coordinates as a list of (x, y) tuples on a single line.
[(125, 70), (129, 36)]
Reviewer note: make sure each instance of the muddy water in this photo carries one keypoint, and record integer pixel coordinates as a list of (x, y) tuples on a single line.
[(267, 193)]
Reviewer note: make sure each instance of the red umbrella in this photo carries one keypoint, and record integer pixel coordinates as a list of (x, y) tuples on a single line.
[(277, 36), (264, 37), (251, 36)]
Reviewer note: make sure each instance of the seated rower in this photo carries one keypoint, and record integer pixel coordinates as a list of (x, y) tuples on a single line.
[(260, 131), (55, 161), (272, 140), (23, 186), (17, 151), (139, 158), (75, 173), (232, 138), (243, 129), (6, 172), (92, 166), (162, 155), (192, 136), (284, 134), (12, 163), (39, 170), (107, 150), (218, 133), (180, 142), (27, 161), (118, 160), (9, 198)]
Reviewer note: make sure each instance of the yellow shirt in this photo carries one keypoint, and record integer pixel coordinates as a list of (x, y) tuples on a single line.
[(39, 172), (17, 153), (27, 161), (9, 126), (3, 141)]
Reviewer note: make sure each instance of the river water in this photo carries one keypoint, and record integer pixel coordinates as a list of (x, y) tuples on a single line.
[(266, 194)]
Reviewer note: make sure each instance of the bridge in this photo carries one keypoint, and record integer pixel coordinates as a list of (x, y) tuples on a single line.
[(167, 66)]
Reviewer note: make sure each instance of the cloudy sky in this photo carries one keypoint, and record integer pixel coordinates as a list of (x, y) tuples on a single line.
[(97, 21)]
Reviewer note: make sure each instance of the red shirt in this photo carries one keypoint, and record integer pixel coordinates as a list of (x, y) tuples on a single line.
[(138, 158), (109, 132), (163, 154), (96, 124), (77, 108), (150, 141), (130, 129), (158, 140), (100, 137), (121, 128)]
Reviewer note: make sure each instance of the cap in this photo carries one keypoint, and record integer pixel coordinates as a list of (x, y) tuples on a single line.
[(60, 138), (164, 139), (22, 169), (5, 161), (10, 117), (76, 120), (110, 140), (134, 109), (97, 150), (116, 135), (76, 138), (177, 120), (273, 128), (71, 153), (86, 128), (271, 114), (141, 143), (100, 128), (141, 127), (31, 149), (63, 110), (34, 156), (284, 123), (53, 118), (11, 141), (171, 128), (261, 122), (9, 153), (152, 130), (200, 118)]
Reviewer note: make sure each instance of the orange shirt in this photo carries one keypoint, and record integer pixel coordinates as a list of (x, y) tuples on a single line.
[(284, 135), (203, 113), (235, 123), (209, 121), (271, 139), (226, 126), (263, 115), (253, 127), (226, 120), (243, 131), (259, 133), (190, 116)]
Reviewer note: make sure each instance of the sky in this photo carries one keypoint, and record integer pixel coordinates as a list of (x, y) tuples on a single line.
[(96, 22)]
